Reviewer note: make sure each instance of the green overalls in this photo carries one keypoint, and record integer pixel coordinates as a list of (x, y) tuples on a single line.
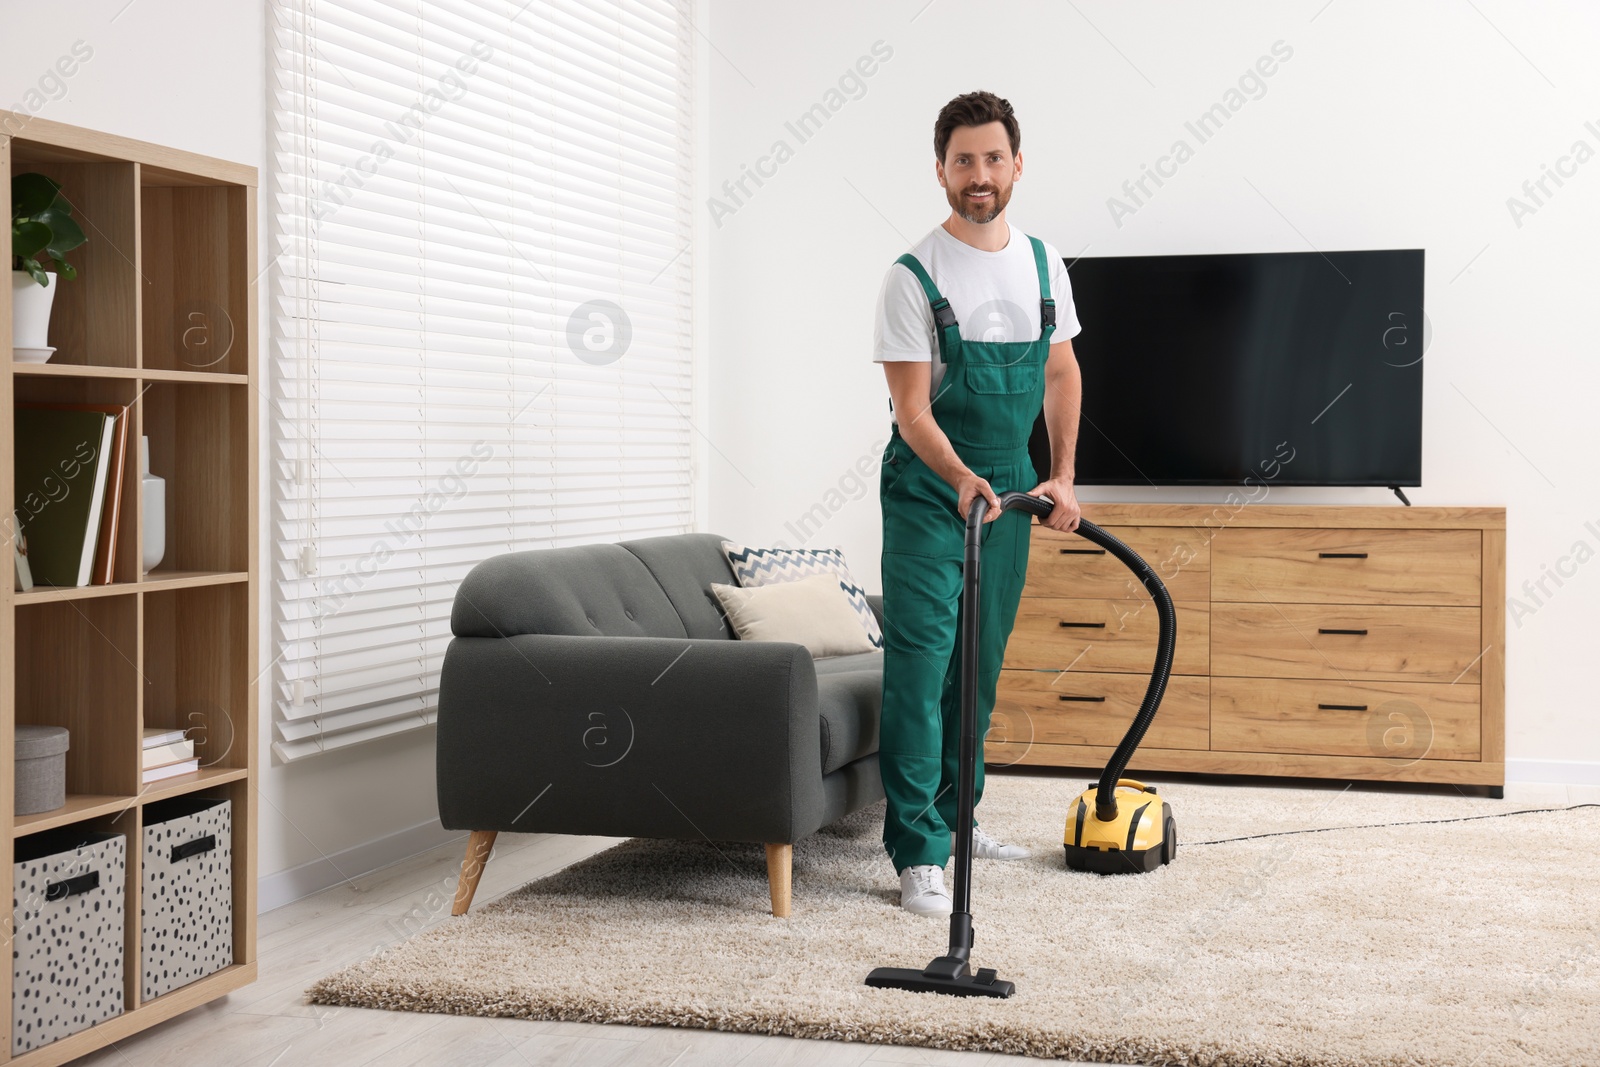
[(988, 399)]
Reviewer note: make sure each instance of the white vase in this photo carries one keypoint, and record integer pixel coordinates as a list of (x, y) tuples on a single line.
[(155, 509), (30, 309)]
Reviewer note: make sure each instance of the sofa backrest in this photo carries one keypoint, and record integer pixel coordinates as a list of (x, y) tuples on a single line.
[(647, 587), (685, 565)]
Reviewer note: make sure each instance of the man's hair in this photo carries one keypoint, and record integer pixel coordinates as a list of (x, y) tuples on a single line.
[(975, 109)]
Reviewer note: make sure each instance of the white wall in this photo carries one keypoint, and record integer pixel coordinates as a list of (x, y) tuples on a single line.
[(1393, 124), (193, 76)]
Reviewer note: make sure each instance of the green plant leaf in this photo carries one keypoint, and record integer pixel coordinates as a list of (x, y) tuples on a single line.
[(66, 270), (66, 234), (29, 238), (32, 193)]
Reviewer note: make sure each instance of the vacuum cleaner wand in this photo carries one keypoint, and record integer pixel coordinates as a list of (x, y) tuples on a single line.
[(952, 973)]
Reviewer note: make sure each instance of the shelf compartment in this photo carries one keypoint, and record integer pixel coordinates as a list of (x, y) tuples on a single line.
[(79, 806), (76, 666), (196, 292), (118, 391), (196, 674), (94, 318), (199, 445)]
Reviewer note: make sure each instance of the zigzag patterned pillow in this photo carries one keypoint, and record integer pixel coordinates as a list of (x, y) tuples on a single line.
[(768, 566)]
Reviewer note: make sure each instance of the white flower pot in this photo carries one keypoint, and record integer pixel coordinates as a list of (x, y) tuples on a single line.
[(30, 309)]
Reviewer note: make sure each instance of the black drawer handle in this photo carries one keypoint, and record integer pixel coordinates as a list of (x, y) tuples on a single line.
[(194, 848), (1073, 696), (1341, 555), (1342, 707), (1083, 551), (1332, 630), (1087, 625), (72, 886)]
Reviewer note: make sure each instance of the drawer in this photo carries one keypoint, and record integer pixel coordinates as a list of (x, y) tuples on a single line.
[(1405, 721), (1055, 633), (1078, 708), (1357, 642), (1063, 564), (1347, 566)]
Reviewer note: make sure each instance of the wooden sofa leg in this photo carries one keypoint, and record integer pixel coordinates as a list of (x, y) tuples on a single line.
[(780, 870), (479, 846)]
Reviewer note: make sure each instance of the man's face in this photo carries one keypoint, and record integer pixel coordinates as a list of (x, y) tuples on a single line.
[(978, 171)]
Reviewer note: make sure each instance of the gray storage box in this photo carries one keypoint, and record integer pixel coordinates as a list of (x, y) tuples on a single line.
[(66, 973), (188, 891), (41, 768)]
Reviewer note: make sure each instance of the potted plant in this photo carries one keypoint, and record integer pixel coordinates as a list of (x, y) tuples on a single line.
[(41, 226)]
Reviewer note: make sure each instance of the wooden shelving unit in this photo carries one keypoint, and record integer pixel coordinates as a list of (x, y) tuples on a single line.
[(162, 317)]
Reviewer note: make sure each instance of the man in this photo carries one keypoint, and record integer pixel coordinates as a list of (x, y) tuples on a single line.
[(974, 331)]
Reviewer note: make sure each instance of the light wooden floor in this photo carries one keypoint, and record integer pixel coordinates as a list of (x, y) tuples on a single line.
[(266, 1025)]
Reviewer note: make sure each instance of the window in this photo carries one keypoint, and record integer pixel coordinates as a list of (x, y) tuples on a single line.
[(480, 309)]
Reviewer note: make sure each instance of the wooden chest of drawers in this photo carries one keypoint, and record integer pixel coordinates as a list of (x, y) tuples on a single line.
[(1330, 642)]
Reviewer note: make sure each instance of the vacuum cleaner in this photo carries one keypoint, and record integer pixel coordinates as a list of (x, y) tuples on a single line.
[(1102, 835)]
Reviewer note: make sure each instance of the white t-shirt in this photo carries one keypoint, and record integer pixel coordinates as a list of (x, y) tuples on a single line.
[(995, 296)]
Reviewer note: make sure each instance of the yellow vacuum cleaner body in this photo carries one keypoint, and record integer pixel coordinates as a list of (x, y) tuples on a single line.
[(1142, 835)]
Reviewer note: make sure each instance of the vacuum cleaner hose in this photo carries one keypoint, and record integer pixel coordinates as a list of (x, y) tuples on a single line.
[(1106, 798)]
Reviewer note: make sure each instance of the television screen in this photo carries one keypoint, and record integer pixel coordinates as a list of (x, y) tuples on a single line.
[(1208, 369)]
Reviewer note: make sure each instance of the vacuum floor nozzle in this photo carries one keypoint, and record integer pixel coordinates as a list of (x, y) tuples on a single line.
[(945, 974)]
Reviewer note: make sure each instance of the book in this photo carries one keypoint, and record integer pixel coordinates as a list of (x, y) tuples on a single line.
[(105, 555), (161, 755), (61, 461), (155, 735), (171, 770)]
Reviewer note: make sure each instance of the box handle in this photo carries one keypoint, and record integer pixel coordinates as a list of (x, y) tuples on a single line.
[(194, 848), (1333, 630), (1341, 555), (1342, 707), (1074, 696), (1083, 551), (1086, 625), (72, 886)]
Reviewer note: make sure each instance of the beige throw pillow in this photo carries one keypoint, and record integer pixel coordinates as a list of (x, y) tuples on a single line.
[(813, 611)]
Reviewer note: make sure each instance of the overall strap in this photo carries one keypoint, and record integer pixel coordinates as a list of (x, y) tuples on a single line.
[(1047, 306), (943, 316)]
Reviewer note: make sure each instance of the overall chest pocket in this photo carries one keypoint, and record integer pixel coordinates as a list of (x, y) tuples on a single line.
[(1021, 376)]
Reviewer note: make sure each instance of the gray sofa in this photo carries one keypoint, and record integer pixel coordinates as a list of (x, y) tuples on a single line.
[(598, 689)]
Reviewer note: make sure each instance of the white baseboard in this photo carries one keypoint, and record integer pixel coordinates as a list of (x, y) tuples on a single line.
[(287, 886), (1556, 772)]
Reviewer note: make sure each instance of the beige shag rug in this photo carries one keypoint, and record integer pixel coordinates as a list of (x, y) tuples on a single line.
[(1465, 943)]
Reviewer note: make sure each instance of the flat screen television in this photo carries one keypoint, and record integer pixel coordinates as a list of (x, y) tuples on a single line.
[(1210, 369)]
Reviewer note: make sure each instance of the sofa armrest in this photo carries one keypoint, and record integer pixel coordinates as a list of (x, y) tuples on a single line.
[(630, 736)]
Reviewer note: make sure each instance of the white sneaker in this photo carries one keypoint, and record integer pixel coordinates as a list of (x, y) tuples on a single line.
[(985, 847), (922, 890)]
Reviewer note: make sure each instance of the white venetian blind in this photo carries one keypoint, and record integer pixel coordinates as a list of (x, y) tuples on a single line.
[(480, 317)]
